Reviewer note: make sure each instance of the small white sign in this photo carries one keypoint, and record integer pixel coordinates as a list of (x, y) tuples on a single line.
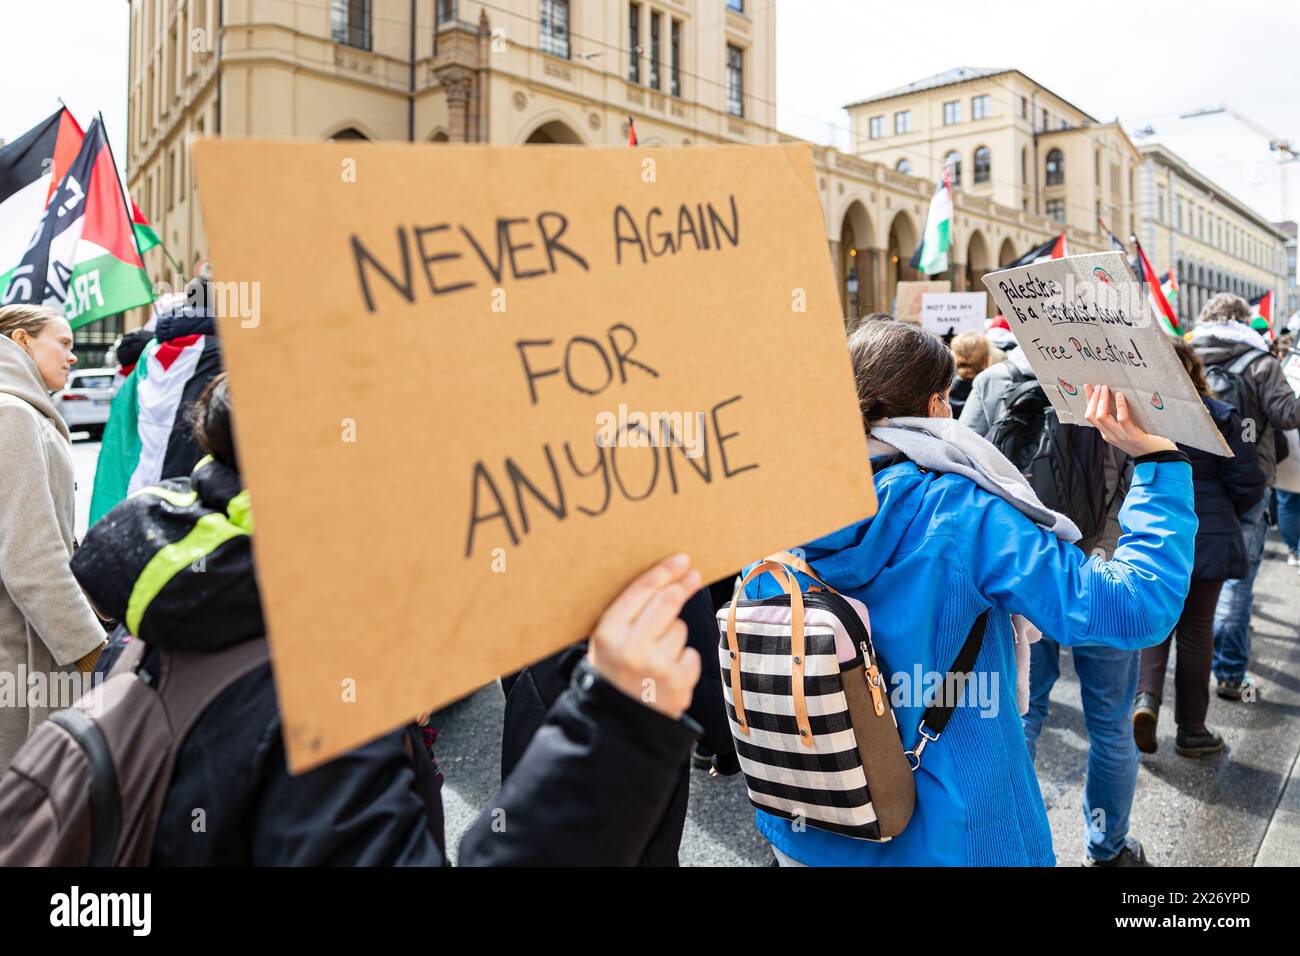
[(1291, 368), (951, 313)]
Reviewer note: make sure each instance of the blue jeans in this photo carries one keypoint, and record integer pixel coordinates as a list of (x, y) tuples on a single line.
[(1288, 518), (1108, 679), (1232, 615)]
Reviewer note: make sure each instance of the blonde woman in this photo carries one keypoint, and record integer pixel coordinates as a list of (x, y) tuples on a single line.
[(46, 623), (971, 349)]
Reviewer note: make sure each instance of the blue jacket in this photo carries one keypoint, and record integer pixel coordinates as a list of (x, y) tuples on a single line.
[(941, 550), (1226, 488)]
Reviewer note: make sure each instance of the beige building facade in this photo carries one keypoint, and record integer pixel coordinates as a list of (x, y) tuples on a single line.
[(433, 71), (522, 71), (573, 72), (1214, 242), (1006, 138)]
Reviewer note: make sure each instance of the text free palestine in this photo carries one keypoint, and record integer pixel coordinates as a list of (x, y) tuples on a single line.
[(1091, 351)]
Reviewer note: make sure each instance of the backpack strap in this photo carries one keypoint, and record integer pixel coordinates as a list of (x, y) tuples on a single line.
[(105, 793), (1244, 361), (105, 799), (797, 656), (187, 683), (191, 680), (939, 712), (791, 560)]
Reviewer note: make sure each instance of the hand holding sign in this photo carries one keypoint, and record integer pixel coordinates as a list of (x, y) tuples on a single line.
[(1120, 429), (639, 645), (607, 370)]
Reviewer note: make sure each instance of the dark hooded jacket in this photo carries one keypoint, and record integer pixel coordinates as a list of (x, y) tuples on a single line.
[(1226, 488), (1219, 343), (531, 693), (591, 788), (980, 412)]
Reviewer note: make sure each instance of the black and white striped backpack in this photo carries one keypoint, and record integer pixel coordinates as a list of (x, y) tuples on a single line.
[(808, 702)]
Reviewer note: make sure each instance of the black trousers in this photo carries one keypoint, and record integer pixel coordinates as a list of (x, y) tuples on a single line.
[(1195, 637)]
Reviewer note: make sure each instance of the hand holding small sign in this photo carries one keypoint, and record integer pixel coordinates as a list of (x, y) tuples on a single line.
[(1119, 429)]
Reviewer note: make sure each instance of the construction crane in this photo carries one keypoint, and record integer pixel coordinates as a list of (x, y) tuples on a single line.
[(1275, 143)]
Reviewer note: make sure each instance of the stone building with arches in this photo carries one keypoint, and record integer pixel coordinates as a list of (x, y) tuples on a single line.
[(433, 71), (516, 72), (563, 72), (874, 218)]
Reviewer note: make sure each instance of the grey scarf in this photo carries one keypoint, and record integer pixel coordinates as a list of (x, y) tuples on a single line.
[(947, 446)]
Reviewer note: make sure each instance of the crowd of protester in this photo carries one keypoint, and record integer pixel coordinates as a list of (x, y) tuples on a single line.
[(1156, 550)]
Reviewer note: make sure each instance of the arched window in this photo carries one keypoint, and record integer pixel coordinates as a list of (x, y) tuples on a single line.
[(904, 166), (1055, 167), (983, 164), (953, 162)]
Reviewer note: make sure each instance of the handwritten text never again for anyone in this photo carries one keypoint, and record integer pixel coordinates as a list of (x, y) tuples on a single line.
[(566, 477)]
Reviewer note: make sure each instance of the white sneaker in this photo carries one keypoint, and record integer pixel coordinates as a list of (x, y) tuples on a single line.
[(1293, 560)]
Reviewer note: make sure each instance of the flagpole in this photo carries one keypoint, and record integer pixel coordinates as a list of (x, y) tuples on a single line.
[(163, 246)]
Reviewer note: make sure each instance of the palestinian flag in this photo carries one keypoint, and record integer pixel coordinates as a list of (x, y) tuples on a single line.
[(83, 257), (1052, 249), (147, 437), (145, 236), (932, 256), (1261, 308), (1159, 304), (30, 170), (1170, 289), (631, 131)]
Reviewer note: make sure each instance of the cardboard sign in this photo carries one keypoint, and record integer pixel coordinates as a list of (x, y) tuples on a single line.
[(1086, 320), (951, 313), (1291, 368), (487, 386), (909, 297)]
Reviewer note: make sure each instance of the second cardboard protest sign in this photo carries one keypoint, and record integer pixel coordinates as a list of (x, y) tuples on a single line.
[(1085, 320), (490, 385)]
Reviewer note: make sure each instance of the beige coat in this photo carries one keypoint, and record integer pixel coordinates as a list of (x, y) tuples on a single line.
[(45, 620)]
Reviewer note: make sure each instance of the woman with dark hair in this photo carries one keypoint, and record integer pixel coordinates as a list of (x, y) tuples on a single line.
[(1226, 488), (958, 532), (46, 623)]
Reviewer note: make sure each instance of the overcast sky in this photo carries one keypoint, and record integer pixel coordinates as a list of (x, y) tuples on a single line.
[(1143, 62)]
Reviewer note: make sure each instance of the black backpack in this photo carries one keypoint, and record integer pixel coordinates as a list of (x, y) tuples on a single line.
[(1065, 464), (1229, 384)]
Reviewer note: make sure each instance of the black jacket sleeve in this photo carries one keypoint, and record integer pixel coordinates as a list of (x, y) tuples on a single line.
[(591, 788), (1241, 475), (532, 692), (360, 809)]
